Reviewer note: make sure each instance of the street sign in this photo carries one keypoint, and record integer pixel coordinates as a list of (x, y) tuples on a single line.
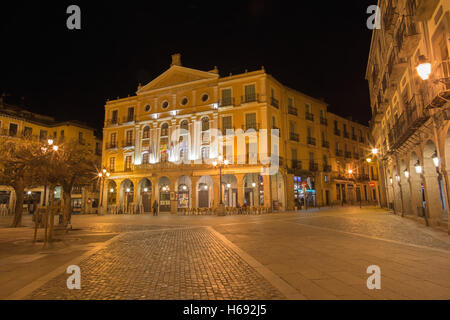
[(372, 184), (304, 184)]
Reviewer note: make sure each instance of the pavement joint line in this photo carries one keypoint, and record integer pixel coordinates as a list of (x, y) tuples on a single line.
[(285, 288), (28, 289), (373, 238)]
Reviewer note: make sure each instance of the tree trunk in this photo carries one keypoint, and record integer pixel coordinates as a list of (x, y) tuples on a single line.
[(67, 206), (19, 189)]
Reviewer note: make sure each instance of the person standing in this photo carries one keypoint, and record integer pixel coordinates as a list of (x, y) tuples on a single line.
[(155, 208)]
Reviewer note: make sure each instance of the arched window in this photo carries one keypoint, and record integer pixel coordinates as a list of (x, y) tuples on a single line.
[(184, 125), (205, 124), (146, 133), (165, 130)]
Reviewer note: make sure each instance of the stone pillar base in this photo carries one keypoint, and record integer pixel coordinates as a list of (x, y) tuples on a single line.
[(221, 210)]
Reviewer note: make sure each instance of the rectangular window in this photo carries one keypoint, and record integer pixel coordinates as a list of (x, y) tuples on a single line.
[(145, 158), (250, 93), (13, 128), (250, 121), (128, 163), (27, 132), (114, 117), (294, 158), (80, 138), (226, 124), (43, 134), (307, 108), (130, 114), (112, 164), (129, 138), (290, 102), (62, 135), (226, 97), (113, 140)]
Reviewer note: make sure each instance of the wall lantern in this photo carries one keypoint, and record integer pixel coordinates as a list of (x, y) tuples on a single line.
[(406, 172), (374, 151), (390, 180), (424, 68), (435, 159), (418, 167), (397, 177), (369, 160)]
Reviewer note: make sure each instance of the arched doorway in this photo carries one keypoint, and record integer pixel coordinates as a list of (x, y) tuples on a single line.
[(145, 195), (112, 193), (204, 189), (184, 187), (126, 195), (230, 190), (164, 194), (253, 190), (406, 192)]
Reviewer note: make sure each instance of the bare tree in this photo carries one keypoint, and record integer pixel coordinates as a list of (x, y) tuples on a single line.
[(74, 164), (19, 168)]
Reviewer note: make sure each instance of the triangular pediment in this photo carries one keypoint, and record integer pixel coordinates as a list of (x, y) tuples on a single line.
[(177, 76)]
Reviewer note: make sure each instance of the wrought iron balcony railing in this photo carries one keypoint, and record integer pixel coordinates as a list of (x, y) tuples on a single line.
[(248, 98), (337, 132), (226, 102), (294, 136), (326, 144), (274, 102), (323, 121), (309, 116), (348, 154), (311, 141), (293, 111), (313, 166)]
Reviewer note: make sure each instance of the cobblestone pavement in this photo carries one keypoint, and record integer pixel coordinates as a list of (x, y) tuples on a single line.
[(180, 264), (320, 254), (380, 224)]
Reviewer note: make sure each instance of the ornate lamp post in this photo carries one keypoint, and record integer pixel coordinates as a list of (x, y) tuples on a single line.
[(102, 176), (221, 163)]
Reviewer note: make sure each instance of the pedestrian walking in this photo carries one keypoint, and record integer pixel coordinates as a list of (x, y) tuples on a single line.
[(155, 208)]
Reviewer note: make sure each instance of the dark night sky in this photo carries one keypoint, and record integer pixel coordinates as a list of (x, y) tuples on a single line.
[(320, 49)]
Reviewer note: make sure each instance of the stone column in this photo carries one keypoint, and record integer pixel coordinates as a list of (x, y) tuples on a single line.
[(194, 191), (290, 192), (173, 203), (240, 188), (216, 190), (433, 198), (267, 192)]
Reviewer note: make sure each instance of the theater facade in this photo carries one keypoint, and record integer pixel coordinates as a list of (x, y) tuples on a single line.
[(193, 139)]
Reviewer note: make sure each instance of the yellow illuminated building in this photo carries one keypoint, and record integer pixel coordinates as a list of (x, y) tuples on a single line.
[(173, 118)]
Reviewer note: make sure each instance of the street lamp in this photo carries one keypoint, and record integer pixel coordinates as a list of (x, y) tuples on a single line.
[(374, 151), (102, 176), (369, 160), (418, 167), (350, 171), (424, 68), (220, 163), (390, 180)]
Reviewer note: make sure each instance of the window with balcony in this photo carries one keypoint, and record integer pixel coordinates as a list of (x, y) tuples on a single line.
[(113, 140), (81, 138), (130, 115), (250, 93), (128, 163), (250, 121), (114, 117), (308, 114), (112, 164), (227, 99), (129, 138), (227, 124), (337, 132)]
